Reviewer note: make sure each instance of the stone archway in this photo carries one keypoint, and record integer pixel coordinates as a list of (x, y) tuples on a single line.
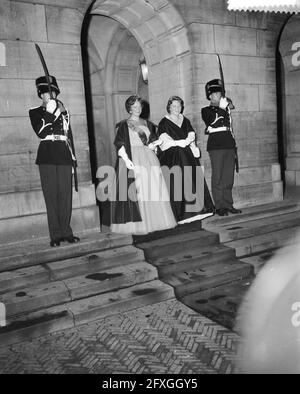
[(119, 34), (289, 49), (114, 72)]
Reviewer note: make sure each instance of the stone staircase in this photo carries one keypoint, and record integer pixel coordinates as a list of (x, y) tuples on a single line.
[(259, 231), (193, 262), (47, 289), (255, 235), (209, 269)]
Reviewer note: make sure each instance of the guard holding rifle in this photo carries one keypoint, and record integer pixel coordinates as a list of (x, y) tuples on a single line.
[(221, 146), (55, 158)]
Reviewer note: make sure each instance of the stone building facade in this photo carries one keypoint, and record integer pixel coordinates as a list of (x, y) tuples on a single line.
[(94, 48)]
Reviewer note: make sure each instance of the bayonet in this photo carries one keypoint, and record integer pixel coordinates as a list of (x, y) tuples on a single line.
[(230, 105), (46, 72)]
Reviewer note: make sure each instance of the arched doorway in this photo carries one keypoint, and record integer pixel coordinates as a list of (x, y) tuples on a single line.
[(115, 37), (289, 46), (114, 74)]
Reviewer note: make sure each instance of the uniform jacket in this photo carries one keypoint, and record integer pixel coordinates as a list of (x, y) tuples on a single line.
[(51, 152), (215, 117)]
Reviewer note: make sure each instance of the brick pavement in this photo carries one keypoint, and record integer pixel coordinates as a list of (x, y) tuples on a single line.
[(162, 338)]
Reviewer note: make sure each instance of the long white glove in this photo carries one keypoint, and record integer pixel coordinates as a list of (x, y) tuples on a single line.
[(122, 153), (223, 103), (182, 143), (195, 150), (168, 142), (154, 144), (52, 107), (191, 136)]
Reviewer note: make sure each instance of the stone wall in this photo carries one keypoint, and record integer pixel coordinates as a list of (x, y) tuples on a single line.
[(246, 43), (179, 40), (56, 27), (290, 52)]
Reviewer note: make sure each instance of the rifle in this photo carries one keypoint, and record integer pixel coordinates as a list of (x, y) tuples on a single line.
[(231, 106), (70, 142)]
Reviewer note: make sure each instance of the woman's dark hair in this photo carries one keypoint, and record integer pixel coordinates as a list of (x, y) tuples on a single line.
[(175, 98), (131, 100)]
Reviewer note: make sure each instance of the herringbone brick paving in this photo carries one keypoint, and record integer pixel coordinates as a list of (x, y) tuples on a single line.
[(162, 338)]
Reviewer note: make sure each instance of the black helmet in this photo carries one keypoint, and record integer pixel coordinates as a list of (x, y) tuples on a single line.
[(215, 85), (42, 85)]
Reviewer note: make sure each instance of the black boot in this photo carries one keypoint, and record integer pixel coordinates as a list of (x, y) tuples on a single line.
[(234, 210), (71, 239), (222, 212), (55, 242)]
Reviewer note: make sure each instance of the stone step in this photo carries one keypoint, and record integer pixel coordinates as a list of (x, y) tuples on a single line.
[(208, 276), (176, 243), (30, 253), (109, 280), (54, 293), (259, 260), (71, 314), (191, 259), (179, 229), (221, 303), (256, 244), (251, 228), (94, 262), (25, 277), (251, 213)]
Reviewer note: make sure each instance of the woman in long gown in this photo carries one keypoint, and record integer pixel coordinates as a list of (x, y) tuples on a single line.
[(145, 205), (189, 194)]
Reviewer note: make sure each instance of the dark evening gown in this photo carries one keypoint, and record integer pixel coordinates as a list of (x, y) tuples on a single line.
[(192, 179)]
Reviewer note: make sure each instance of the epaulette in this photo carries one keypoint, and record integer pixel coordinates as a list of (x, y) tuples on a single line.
[(34, 107)]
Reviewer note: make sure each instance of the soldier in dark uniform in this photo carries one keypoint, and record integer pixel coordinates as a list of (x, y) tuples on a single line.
[(220, 146), (55, 158)]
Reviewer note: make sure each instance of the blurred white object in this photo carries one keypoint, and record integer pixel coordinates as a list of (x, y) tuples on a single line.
[(269, 317)]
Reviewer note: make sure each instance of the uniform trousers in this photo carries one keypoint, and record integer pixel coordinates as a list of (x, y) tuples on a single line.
[(56, 181), (222, 177)]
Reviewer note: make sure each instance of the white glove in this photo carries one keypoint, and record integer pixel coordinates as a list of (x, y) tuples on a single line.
[(223, 103), (191, 136), (154, 144), (51, 106), (182, 143), (122, 153), (195, 150), (129, 164)]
